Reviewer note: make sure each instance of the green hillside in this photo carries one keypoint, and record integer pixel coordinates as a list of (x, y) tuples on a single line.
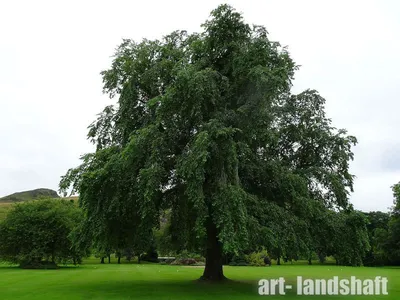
[(29, 195), (7, 203)]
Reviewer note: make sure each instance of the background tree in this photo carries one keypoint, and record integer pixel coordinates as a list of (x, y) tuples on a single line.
[(392, 245), (206, 126), (378, 226), (351, 238), (38, 233)]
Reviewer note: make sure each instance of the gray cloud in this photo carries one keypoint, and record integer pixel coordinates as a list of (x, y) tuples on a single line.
[(390, 158)]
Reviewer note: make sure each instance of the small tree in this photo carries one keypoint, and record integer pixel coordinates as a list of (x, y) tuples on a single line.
[(38, 233)]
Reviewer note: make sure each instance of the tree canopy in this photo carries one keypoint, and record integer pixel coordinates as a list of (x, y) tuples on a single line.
[(206, 125)]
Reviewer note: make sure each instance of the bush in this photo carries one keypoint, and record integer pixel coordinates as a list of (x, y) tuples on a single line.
[(186, 254), (238, 260), (257, 258), (187, 258), (37, 234), (150, 256), (184, 261), (38, 265)]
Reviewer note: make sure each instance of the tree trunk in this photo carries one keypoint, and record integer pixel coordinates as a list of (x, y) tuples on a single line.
[(109, 258), (213, 270), (119, 259), (278, 261), (309, 261), (102, 260)]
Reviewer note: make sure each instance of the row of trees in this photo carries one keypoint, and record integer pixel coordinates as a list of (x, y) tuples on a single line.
[(342, 235), (47, 232)]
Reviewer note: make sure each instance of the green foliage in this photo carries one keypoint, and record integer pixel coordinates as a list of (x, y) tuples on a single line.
[(4, 209), (184, 261), (163, 237), (206, 126), (151, 255), (257, 258), (37, 232), (238, 260), (378, 225), (351, 238), (392, 245), (186, 255), (128, 254), (186, 258)]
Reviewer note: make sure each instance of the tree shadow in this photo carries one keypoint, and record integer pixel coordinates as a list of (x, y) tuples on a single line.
[(166, 289), (60, 267)]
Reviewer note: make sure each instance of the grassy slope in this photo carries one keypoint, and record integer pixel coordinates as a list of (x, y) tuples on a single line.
[(147, 281), (29, 195), (6, 206)]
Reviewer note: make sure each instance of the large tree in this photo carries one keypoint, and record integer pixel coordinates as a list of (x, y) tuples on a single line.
[(206, 126)]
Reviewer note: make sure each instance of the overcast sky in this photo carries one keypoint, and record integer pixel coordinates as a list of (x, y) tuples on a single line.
[(51, 54)]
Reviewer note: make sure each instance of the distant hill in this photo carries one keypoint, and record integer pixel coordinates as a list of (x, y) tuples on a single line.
[(29, 195)]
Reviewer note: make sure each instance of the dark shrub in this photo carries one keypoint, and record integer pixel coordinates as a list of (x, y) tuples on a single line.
[(38, 265), (239, 260), (150, 256)]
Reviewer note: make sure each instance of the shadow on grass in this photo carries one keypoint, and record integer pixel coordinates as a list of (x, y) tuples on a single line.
[(5, 267), (16, 267), (167, 289)]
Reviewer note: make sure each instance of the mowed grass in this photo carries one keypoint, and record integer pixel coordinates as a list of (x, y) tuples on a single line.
[(154, 281)]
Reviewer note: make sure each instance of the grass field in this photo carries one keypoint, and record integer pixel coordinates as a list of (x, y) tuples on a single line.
[(153, 281)]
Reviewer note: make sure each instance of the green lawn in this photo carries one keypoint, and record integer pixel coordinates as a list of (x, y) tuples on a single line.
[(153, 281)]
